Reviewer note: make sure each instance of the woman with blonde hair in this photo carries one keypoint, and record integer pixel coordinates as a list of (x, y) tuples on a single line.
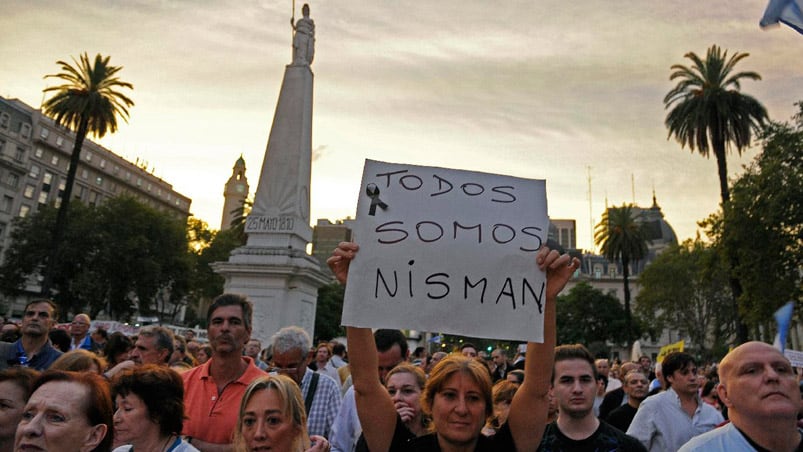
[(272, 416)]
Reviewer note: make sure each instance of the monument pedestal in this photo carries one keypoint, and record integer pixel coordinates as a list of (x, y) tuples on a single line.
[(282, 283), (273, 269)]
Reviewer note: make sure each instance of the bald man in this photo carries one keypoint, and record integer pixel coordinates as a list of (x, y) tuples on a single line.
[(761, 391)]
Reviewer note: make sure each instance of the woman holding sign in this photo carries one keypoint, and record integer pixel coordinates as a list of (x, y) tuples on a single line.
[(457, 395)]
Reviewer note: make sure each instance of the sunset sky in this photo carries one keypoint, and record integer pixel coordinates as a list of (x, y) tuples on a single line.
[(542, 89)]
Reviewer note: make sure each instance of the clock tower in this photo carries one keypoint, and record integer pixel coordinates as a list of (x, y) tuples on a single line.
[(235, 193)]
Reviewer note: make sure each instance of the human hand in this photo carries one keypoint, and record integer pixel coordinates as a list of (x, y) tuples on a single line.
[(559, 268), (340, 260), (406, 412), (319, 444)]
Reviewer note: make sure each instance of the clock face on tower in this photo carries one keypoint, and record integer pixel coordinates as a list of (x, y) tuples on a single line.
[(240, 188)]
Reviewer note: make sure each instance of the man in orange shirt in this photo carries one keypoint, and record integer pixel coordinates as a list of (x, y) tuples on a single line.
[(213, 391)]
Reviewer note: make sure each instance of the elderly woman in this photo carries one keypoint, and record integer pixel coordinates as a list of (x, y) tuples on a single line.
[(458, 393), (15, 388), (272, 417), (79, 360), (67, 411), (150, 410)]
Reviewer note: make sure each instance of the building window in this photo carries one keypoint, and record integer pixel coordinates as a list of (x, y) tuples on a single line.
[(12, 180), (43, 197), (24, 210), (62, 186), (47, 180), (34, 173), (149, 187), (25, 131), (29, 191), (39, 152), (88, 156), (99, 180), (127, 175), (80, 192), (2, 145), (84, 174), (20, 154), (54, 160), (103, 163), (139, 182), (44, 133), (4, 120), (59, 141), (116, 170), (612, 271), (92, 198), (8, 201)]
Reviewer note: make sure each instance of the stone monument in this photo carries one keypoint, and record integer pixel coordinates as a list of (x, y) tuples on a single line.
[(273, 269)]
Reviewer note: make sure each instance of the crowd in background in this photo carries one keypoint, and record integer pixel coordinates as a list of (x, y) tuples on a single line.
[(76, 389)]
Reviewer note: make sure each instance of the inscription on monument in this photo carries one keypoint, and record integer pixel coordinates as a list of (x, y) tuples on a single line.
[(269, 224)]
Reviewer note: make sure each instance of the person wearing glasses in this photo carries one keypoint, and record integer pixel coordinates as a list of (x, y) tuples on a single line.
[(291, 346), (213, 391), (33, 349)]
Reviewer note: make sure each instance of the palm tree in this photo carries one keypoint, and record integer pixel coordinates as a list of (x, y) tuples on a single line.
[(709, 113), (621, 238), (87, 102)]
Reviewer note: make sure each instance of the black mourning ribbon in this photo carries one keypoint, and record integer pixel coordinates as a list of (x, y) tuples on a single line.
[(373, 192)]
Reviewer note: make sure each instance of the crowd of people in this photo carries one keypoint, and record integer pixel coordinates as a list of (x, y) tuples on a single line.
[(156, 391)]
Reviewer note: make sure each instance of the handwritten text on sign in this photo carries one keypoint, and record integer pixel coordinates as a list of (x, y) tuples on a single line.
[(448, 251)]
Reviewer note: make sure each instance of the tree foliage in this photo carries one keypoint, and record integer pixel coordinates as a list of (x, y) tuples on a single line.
[(329, 311), (587, 315), (88, 102), (707, 110), (119, 257), (686, 289), (207, 246), (765, 224), (622, 238)]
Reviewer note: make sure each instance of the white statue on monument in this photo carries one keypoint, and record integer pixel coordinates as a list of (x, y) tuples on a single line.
[(303, 38)]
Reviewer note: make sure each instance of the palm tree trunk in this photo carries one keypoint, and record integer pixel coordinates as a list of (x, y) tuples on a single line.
[(61, 217), (733, 260), (628, 317)]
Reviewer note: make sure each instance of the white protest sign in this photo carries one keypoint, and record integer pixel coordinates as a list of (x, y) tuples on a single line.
[(795, 357), (448, 251)]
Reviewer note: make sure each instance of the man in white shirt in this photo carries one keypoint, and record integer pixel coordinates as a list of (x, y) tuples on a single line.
[(668, 420), (761, 391)]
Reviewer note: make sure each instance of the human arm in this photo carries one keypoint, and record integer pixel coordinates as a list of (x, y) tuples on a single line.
[(528, 410), (374, 406)]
